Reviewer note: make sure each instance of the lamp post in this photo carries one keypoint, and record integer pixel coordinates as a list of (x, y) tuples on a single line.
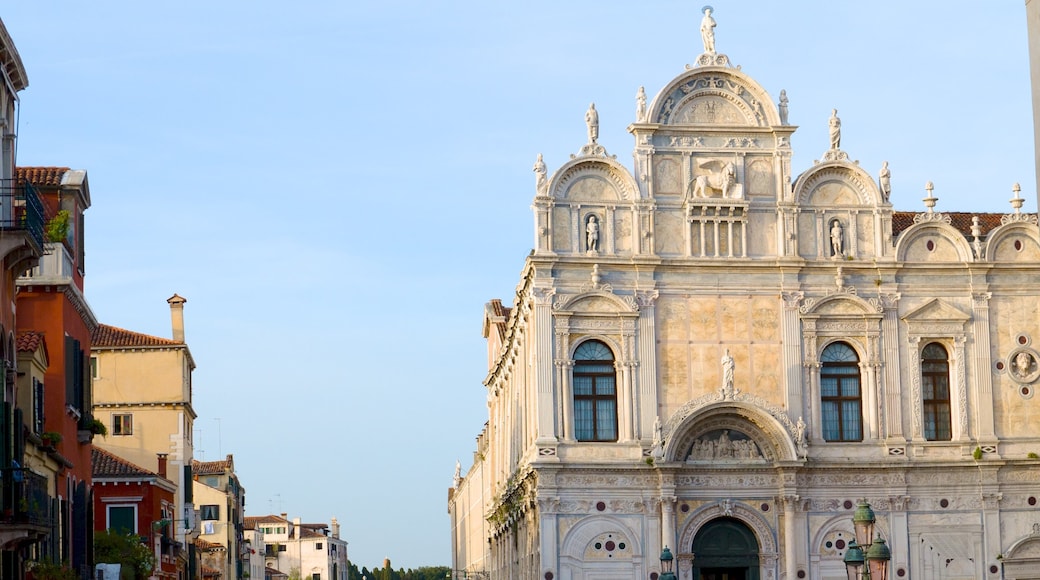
[(666, 564), (866, 559)]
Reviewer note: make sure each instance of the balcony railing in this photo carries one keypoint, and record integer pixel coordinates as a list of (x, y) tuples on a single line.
[(21, 209), (24, 498)]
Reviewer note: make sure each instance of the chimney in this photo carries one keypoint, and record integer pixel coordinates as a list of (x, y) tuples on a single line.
[(296, 528), (177, 316), (162, 463), (335, 528)]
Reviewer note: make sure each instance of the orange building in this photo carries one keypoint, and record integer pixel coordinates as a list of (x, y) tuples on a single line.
[(50, 301)]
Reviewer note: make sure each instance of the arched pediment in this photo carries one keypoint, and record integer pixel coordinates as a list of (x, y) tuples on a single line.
[(587, 179), (596, 302), (714, 96), (580, 538), (841, 304), (746, 417), (1014, 241), (932, 239), (836, 184)]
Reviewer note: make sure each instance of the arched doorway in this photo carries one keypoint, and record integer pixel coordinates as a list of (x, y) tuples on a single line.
[(725, 549)]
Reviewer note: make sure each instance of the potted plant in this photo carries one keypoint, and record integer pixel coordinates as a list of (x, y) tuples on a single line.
[(57, 228), (51, 438), (98, 428)]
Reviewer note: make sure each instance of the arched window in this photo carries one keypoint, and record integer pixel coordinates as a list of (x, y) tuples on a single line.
[(595, 393), (935, 392), (840, 401)]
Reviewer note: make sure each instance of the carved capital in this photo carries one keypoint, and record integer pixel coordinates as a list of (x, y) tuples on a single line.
[(543, 296), (792, 300), (980, 299), (647, 298)]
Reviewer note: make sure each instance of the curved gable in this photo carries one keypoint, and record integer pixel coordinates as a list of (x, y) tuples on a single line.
[(593, 180), (1013, 242), (836, 184), (932, 240), (714, 96)]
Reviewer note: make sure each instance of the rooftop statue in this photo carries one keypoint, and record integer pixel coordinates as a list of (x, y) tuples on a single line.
[(592, 120), (835, 129), (708, 30)]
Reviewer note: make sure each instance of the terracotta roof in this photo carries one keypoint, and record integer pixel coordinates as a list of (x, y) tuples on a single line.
[(106, 464), (207, 545), (250, 522), (112, 336), (208, 572), (213, 467), (29, 341), (960, 220), (40, 175)]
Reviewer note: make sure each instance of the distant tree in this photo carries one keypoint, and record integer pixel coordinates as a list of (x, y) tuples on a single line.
[(112, 547)]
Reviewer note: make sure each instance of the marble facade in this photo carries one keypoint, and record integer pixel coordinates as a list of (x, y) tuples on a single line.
[(710, 248)]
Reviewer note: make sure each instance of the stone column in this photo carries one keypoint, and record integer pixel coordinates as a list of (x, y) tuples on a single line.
[(980, 358), (791, 548), (541, 343), (790, 329), (890, 368), (646, 360), (564, 364), (668, 523)]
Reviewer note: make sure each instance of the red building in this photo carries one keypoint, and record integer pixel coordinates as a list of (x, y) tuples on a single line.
[(129, 498), (50, 301)]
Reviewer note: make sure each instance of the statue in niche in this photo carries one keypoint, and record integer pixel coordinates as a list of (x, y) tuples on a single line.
[(727, 370), (783, 107), (640, 105), (657, 450), (837, 239), (835, 129), (708, 31), (799, 438), (592, 121), (539, 174), (1022, 365), (885, 181), (592, 234)]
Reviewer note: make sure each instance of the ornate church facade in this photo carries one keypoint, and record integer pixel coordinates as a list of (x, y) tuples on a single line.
[(712, 354)]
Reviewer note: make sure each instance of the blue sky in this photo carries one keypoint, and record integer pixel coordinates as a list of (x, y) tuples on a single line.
[(337, 188)]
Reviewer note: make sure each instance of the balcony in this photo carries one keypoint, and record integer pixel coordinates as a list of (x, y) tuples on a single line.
[(54, 267), (25, 507), (21, 223)]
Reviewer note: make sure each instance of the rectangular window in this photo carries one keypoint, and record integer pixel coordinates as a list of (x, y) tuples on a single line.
[(317, 545), (123, 424), (93, 367), (210, 512), (38, 404), (315, 576), (122, 518), (281, 547)]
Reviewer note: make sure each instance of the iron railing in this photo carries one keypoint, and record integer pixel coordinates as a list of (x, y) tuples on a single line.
[(21, 209), (24, 498)]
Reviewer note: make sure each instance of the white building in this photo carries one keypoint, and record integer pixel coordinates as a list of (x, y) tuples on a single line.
[(713, 353), (312, 551)]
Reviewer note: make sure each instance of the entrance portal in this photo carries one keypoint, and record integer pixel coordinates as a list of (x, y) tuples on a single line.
[(725, 549)]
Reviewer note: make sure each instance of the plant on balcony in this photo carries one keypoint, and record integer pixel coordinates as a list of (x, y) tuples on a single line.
[(57, 228), (50, 438), (98, 428)]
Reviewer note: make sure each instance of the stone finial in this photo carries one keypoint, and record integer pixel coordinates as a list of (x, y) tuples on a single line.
[(1017, 201), (595, 275), (929, 201)]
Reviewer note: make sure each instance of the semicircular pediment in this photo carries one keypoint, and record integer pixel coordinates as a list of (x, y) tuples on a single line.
[(595, 302), (593, 180), (839, 305), (1014, 242), (714, 95), (836, 184), (738, 430), (933, 240)]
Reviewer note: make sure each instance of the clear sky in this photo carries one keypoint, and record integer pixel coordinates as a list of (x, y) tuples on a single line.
[(338, 187)]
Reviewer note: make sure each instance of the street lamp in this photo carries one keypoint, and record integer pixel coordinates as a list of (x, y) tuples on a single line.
[(666, 565), (866, 559)]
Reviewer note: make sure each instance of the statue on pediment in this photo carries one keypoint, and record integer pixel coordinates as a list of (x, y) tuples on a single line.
[(835, 129), (708, 31)]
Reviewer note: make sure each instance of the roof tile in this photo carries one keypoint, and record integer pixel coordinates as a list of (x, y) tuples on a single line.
[(112, 336)]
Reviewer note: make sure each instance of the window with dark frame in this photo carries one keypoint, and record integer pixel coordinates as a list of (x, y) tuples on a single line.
[(209, 512), (935, 392), (595, 393), (841, 402), (123, 424)]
